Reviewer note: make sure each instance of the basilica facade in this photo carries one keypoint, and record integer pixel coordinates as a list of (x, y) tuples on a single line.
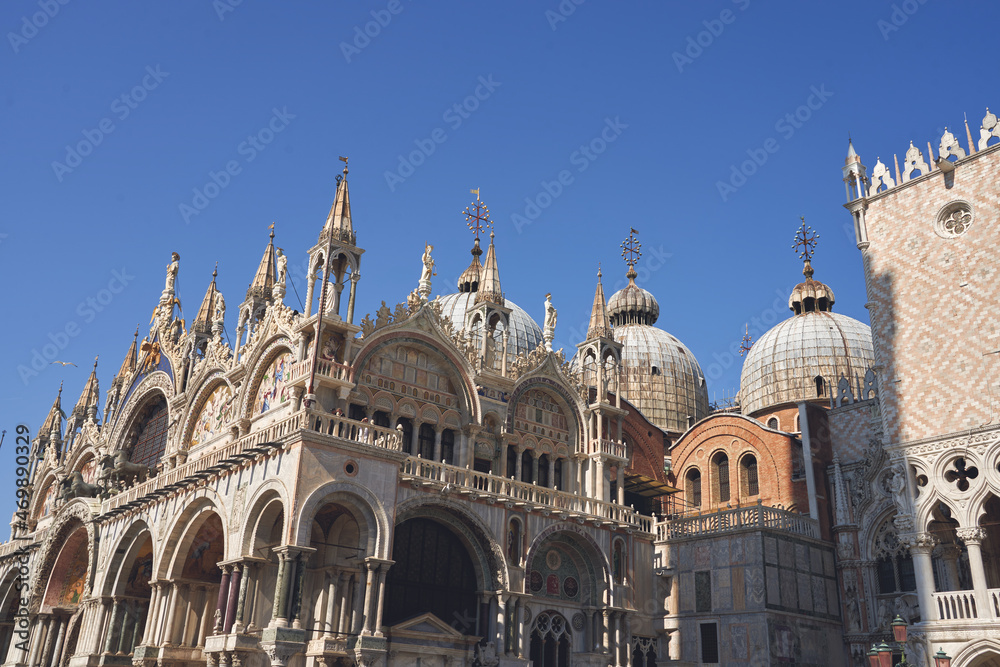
[(433, 484)]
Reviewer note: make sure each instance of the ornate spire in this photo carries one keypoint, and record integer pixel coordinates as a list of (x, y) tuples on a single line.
[(338, 222), (489, 287), (810, 295), (600, 326), (131, 357), (632, 304), (90, 394), (263, 283), (53, 422), (852, 155), (206, 313), (477, 217)]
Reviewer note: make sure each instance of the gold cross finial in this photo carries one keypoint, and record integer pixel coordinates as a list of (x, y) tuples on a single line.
[(477, 216), (805, 241), (631, 250), (344, 160)]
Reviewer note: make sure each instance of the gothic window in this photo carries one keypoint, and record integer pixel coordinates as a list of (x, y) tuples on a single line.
[(721, 464), (643, 651), (150, 434), (749, 482), (894, 565), (550, 640), (693, 487)]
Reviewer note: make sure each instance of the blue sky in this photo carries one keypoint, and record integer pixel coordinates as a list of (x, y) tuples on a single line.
[(577, 121)]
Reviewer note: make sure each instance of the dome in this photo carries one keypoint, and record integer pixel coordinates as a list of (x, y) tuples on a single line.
[(525, 335), (633, 305), (660, 376), (783, 365)]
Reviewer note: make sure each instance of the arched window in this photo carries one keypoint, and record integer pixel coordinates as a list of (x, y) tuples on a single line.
[(150, 434), (820, 386), (425, 441), (448, 446), (750, 485), (557, 468), (693, 487), (618, 562), (514, 542), (773, 423), (511, 461), (527, 463), (407, 434), (721, 464)]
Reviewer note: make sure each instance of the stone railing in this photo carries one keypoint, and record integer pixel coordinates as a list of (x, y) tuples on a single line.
[(473, 484), (306, 419), (957, 606), (617, 450), (324, 368), (752, 517)]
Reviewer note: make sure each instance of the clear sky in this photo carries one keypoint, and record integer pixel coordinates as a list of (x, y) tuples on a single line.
[(577, 119)]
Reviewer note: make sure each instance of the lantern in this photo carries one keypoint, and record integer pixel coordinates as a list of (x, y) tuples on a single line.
[(942, 659), (873, 657), (884, 655), (899, 630)]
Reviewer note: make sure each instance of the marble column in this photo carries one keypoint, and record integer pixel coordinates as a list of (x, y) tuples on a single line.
[(114, 632), (369, 595), (380, 602), (220, 603), (168, 633), (973, 538), (437, 444), (921, 545), (355, 276), (278, 614), (154, 601), (233, 596), (501, 629)]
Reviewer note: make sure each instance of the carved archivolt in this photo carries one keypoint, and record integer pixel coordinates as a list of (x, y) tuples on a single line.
[(74, 515)]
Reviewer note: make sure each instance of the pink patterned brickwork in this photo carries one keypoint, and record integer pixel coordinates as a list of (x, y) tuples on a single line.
[(850, 430), (933, 302)]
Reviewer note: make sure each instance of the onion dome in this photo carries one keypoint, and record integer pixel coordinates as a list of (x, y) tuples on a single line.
[(660, 375), (804, 357)]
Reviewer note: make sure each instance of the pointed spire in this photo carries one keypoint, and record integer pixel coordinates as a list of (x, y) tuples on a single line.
[(90, 394), (206, 313), (263, 283), (489, 286), (339, 220), (130, 361), (852, 155), (600, 325), (53, 422)]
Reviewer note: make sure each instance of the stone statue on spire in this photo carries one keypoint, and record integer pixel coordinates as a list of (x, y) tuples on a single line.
[(424, 286), (172, 269), (549, 329), (281, 266)]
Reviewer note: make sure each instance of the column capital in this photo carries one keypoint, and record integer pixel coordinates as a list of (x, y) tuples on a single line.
[(290, 551), (974, 535), (919, 543), (375, 564)]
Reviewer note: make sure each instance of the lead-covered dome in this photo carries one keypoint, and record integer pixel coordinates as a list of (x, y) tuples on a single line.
[(660, 375), (525, 335), (804, 357)]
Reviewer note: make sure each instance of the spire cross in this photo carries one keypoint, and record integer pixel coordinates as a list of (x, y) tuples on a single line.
[(747, 342), (805, 241), (631, 249), (477, 216)]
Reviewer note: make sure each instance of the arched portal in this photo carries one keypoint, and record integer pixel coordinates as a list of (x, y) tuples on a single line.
[(433, 573), (335, 573), (66, 588), (127, 594), (985, 659), (261, 570)]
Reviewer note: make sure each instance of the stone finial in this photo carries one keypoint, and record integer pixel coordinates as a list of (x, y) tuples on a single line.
[(880, 177), (989, 130), (950, 146), (914, 160)]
